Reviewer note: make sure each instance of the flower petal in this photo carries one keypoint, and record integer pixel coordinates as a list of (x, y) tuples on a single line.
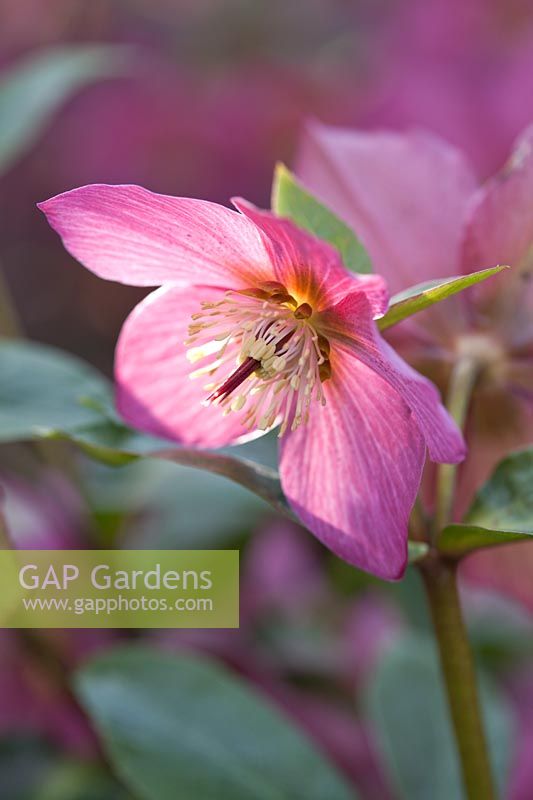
[(154, 391), (350, 325), (377, 293), (500, 231), (500, 228), (352, 473), (308, 267), (131, 235), (405, 195)]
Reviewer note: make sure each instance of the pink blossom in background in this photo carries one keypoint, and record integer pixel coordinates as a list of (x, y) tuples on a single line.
[(43, 515), (247, 288), (371, 625), (414, 202), (32, 704), (281, 572)]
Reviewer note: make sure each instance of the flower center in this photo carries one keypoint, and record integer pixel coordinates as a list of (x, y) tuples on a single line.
[(264, 344)]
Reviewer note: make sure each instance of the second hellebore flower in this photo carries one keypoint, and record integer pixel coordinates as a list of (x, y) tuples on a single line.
[(416, 204), (258, 324)]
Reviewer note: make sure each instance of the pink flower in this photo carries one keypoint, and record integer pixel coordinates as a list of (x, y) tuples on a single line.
[(46, 515), (281, 555), (413, 200), (281, 333)]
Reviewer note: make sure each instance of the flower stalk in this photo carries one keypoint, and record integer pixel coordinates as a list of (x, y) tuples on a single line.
[(439, 575), (9, 321), (462, 381), (457, 664)]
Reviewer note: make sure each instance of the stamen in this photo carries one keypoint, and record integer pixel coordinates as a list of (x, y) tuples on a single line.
[(304, 311), (261, 340)]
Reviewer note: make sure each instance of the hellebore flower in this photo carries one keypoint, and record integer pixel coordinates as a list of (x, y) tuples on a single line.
[(273, 331), (414, 201)]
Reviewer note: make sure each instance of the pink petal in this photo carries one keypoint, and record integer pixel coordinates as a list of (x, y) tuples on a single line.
[(501, 221), (350, 323), (500, 231), (131, 235), (352, 473), (377, 293), (308, 267), (405, 195), (154, 391)]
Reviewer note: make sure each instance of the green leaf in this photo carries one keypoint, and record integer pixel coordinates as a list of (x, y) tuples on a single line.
[(120, 445), (34, 89), (424, 295), (78, 780), (47, 394), (290, 199), (459, 539), (174, 507), (407, 708), (178, 727), (505, 502), (502, 511), (43, 391)]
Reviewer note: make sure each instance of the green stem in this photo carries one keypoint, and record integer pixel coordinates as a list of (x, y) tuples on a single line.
[(440, 580), (462, 381), (458, 670), (9, 321)]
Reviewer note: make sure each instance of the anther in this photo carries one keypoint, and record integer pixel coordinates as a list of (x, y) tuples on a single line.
[(238, 403), (304, 311), (324, 371)]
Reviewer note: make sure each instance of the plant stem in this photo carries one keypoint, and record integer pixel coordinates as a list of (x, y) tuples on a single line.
[(463, 378), (457, 666), (440, 580), (9, 321)]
